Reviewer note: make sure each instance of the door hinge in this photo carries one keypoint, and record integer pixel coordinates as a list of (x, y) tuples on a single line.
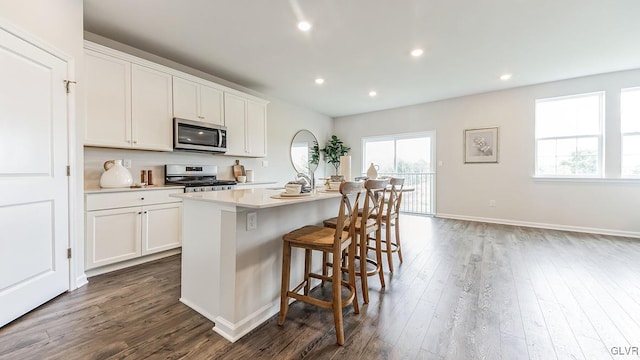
[(68, 253), (66, 84), (68, 170)]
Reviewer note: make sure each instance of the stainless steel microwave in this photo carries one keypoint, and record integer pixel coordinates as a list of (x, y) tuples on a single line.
[(199, 136)]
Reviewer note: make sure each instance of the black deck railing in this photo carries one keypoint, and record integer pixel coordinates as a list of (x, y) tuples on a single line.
[(421, 200)]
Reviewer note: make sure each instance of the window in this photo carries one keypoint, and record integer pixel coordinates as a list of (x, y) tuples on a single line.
[(630, 126), (569, 135), (409, 156)]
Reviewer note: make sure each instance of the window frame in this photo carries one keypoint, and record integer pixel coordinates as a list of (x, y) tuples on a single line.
[(623, 134), (600, 137), (395, 138)]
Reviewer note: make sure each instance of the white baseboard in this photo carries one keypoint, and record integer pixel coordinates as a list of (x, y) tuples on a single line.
[(198, 309), (127, 263), (81, 281), (581, 229), (234, 331)]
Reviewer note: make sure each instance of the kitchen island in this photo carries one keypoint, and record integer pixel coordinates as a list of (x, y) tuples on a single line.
[(232, 252)]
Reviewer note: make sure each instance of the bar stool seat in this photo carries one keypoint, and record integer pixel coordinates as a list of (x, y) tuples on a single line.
[(337, 242)]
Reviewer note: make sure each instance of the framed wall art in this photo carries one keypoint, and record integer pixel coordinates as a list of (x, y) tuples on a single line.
[(481, 145)]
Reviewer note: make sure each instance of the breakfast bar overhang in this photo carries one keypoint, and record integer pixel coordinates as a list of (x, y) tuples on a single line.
[(230, 274)]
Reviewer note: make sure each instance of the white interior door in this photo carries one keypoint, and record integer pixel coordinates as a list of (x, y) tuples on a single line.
[(33, 183)]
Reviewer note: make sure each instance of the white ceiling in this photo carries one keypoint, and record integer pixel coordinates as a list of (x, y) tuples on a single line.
[(359, 45)]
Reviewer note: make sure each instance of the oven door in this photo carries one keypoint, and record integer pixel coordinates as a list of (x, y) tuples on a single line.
[(199, 136)]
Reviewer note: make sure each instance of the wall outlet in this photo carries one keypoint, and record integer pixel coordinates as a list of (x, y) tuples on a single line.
[(252, 220), (126, 163), (492, 203), (265, 163)]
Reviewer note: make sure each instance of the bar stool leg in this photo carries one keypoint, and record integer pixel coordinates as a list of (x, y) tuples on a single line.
[(337, 301), (378, 241), (398, 238), (324, 267), (286, 273), (389, 247), (363, 267), (307, 270)]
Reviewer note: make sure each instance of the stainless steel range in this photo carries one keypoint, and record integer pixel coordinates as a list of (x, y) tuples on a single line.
[(196, 178)]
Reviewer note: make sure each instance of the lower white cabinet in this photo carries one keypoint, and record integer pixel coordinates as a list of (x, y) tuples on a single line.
[(127, 225)]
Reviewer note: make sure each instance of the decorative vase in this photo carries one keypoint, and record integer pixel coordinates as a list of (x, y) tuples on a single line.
[(372, 173), (116, 175)]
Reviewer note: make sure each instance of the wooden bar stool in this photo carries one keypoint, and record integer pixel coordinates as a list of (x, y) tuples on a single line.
[(372, 212), (391, 217), (331, 241)]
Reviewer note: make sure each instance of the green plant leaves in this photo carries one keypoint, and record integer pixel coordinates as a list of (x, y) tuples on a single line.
[(333, 150)]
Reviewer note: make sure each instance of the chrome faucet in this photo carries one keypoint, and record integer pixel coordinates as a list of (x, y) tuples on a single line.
[(308, 179)]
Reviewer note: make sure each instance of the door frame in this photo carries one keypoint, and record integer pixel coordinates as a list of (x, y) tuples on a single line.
[(77, 277)]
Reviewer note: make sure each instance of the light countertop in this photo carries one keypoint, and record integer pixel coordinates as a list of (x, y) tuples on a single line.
[(249, 183), (255, 198), (111, 190)]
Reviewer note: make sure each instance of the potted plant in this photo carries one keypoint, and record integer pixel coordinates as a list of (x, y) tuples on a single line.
[(333, 150)]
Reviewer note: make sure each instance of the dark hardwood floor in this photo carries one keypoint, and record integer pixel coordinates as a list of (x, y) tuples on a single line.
[(465, 291)]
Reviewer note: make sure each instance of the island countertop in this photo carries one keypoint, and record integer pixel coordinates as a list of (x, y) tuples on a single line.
[(255, 198)]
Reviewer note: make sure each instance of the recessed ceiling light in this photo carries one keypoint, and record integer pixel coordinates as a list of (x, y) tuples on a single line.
[(417, 52), (304, 26), (505, 77), (319, 81), (372, 93)]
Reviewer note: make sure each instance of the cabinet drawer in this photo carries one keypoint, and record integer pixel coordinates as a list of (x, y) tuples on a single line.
[(130, 198)]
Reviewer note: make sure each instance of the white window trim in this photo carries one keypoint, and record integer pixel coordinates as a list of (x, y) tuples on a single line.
[(623, 134), (600, 136)]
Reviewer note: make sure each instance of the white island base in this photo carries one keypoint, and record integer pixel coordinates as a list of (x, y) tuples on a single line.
[(232, 275)]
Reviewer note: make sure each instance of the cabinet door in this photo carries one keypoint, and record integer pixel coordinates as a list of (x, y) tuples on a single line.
[(234, 117), (161, 227), (151, 104), (112, 236), (211, 105), (108, 101), (257, 128), (185, 99)]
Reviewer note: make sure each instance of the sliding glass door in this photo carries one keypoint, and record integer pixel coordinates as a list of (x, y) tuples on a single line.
[(409, 156)]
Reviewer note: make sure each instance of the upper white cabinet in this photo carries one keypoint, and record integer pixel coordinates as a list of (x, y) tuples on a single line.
[(127, 105), (131, 103), (246, 122), (108, 100), (151, 118), (197, 101)]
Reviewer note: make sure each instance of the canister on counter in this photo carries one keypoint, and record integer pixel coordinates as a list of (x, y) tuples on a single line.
[(143, 176), (149, 177)]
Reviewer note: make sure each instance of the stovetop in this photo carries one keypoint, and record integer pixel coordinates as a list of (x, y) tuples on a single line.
[(186, 181), (194, 175)]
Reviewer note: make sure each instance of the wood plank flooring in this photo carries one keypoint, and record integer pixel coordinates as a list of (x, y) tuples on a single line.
[(465, 291)]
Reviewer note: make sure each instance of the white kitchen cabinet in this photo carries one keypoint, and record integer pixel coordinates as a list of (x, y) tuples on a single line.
[(197, 101), (108, 100), (161, 227), (127, 225), (127, 105), (151, 109), (112, 236), (246, 122)]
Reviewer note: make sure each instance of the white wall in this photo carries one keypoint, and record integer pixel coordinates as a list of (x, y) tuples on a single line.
[(59, 24), (283, 121), (464, 190)]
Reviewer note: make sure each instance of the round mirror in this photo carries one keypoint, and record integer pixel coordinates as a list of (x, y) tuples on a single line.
[(305, 153)]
